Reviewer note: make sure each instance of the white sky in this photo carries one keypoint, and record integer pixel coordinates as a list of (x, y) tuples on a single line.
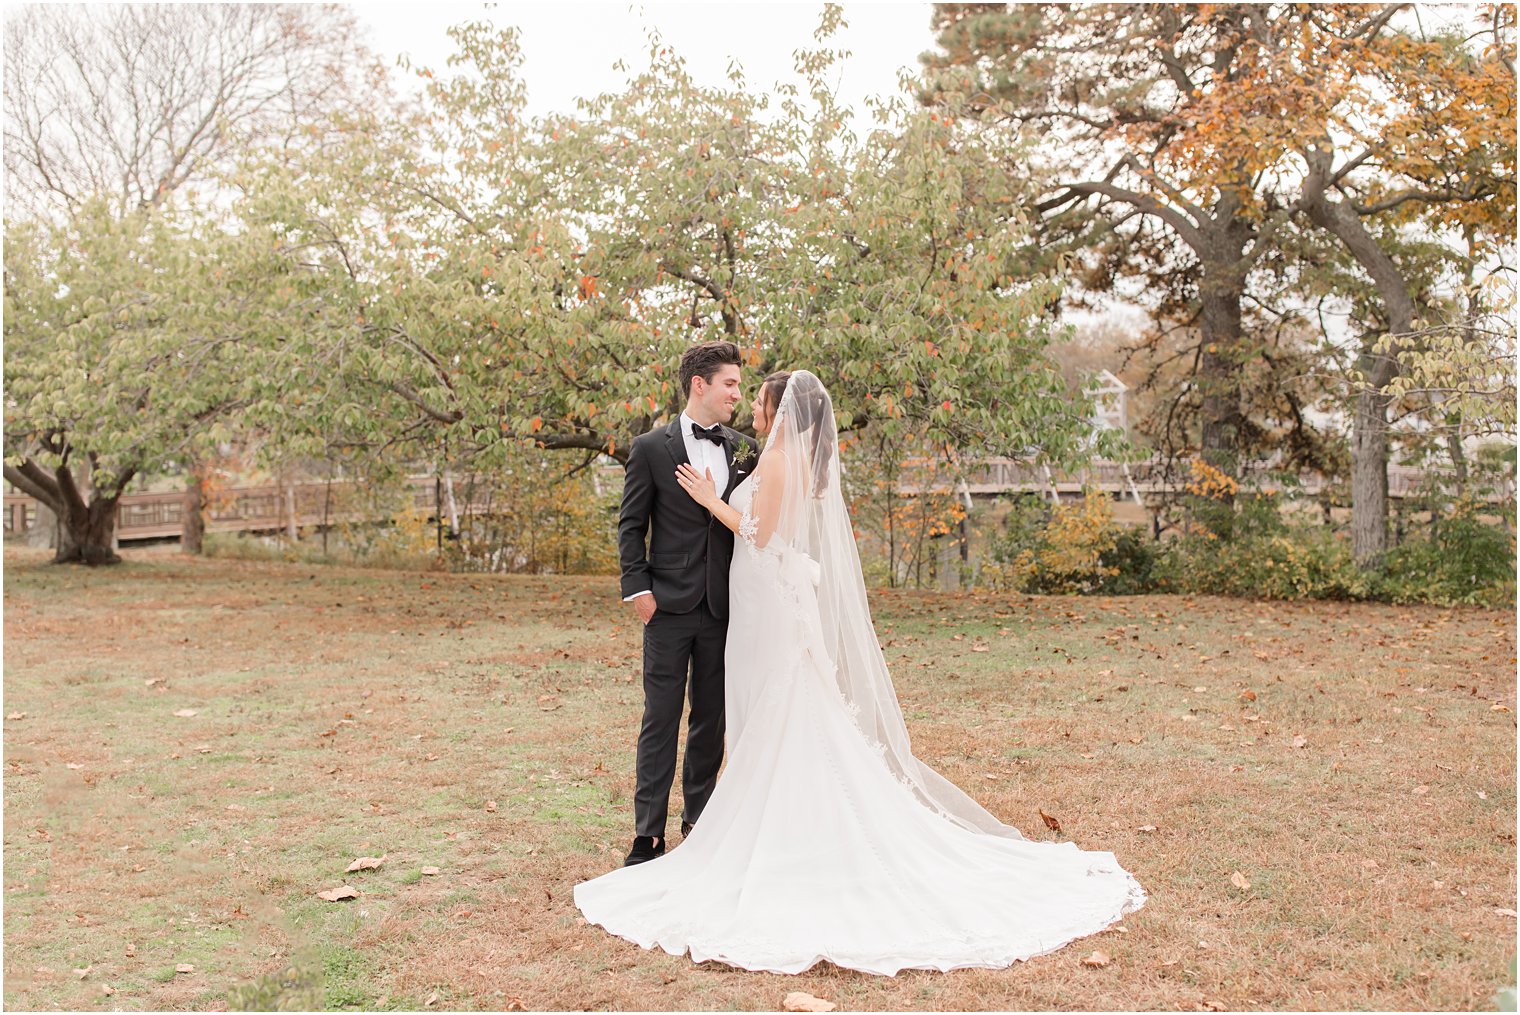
[(569, 48)]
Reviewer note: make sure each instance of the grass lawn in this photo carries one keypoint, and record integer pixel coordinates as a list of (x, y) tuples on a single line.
[(195, 748)]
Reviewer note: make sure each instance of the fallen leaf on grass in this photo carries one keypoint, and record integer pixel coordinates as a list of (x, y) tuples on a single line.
[(1239, 881), (366, 863), (338, 894), (152, 681), (490, 806), (16, 715), (429, 871), (1050, 822), (1504, 912), (1420, 790), (186, 713), (1097, 960), (73, 767), (184, 967), (1248, 695), (107, 989), (1300, 741), (82, 973), (1146, 828), (432, 1000), (799, 1000)]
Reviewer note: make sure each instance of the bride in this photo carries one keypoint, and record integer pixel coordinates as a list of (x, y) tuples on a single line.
[(826, 839)]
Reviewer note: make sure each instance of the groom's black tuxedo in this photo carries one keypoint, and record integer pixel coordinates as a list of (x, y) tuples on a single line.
[(688, 550), (685, 564)]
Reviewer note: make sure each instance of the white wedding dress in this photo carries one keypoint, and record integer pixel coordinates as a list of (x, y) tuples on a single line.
[(825, 839)]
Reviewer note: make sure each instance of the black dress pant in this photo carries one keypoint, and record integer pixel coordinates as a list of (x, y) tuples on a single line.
[(683, 658)]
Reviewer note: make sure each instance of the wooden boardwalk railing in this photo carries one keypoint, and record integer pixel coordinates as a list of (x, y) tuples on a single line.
[(246, 509), (271, 508)]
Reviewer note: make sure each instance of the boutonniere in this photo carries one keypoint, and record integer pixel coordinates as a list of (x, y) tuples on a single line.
[(743, 453)]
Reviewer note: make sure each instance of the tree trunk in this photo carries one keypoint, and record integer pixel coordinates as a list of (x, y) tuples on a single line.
[(292, 531), (86, 528), (450, 504), (193, 518), (95, 543), (1219, 378), (1369, 434), (1458, 461), (1369, 478)]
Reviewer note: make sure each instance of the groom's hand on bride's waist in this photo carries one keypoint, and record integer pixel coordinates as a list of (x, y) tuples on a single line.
[(644, 606)]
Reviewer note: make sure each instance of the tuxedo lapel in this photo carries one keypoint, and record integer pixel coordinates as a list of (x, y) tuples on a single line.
[(729, 439), (737, 471), (675, 443)]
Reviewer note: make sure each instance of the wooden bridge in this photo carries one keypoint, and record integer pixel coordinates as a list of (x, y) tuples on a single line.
[(276, 507), (267, 508)]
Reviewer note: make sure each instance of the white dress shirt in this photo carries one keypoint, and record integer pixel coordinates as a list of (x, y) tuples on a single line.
[(704, 456)]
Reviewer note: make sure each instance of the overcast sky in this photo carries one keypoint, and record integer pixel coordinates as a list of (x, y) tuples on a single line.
[(569, 48)]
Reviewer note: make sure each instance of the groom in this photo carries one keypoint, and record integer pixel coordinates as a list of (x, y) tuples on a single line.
[(678, 587)]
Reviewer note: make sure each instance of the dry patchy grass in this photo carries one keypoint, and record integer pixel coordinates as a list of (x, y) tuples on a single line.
[(484, 726)]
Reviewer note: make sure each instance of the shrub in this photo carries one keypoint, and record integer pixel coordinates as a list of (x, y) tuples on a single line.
[(1298, 563), (1467, 562), (1068, 548), (1130, 564)]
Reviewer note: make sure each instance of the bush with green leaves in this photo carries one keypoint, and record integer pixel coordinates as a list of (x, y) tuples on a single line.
[(1068, 548), (1466, 562), (1301, 562)]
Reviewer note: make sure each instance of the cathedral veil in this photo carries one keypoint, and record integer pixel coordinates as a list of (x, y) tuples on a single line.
[(799, 520)]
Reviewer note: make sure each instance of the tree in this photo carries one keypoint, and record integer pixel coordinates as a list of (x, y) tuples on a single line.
[(132, 102), (1335, 113), (510, 281), (122, 319), (1121, 95), (1416, 131), (127, 340)]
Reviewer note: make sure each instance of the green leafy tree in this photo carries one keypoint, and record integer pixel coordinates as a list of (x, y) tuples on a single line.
[(127, 338), (512, 281), (127, 327)]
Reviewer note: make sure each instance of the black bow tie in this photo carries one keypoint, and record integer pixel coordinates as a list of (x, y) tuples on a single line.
[(714, 433)]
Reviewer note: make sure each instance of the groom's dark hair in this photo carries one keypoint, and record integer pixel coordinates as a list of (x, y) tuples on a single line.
[(704, 360)]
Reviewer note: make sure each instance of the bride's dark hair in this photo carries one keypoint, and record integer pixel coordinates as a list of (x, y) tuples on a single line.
[(810, 408), (772, 388)]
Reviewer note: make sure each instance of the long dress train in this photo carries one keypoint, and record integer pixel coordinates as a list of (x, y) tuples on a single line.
[(813, 848)]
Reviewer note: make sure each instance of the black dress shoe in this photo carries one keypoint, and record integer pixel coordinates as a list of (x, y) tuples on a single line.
[(645, 847), (686, 827)]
